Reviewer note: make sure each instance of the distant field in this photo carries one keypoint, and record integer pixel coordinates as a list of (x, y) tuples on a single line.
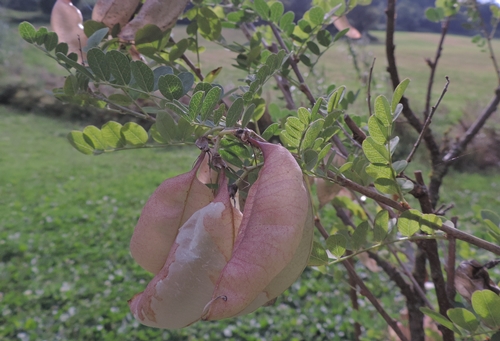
[(472, 76)]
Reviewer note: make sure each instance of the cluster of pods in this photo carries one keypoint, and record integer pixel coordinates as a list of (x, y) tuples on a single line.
[(210, 260)]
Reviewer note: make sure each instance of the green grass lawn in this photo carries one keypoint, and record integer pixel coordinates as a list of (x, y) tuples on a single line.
[(65, 269)]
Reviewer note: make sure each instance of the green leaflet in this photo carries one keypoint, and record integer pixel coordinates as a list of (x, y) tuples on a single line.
[(336, 244), (374, 152), (78, 141), (408, 222), (134, 134), (486, 304), (170, 87), (463, 318), (318, 255), (98, 64), (143, 75), (234, 112), (93, 136), (111, 134)]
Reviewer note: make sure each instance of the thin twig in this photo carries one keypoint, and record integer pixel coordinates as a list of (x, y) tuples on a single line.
[(416, 286), (127, 110), (450, 264), (460, 146), (488, 38), (282, 82), (456, 233), (344, 182), (190, 64), (431, 250), (369, 94), (430, 142), (373, 300), (363, 289), (357, 134), (303, 86), (433, 65), (428, 121)]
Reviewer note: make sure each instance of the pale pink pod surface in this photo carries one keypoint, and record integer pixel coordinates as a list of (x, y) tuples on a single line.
[(168, 208), (291, 272), (66, 20), (275, 215), (162, 13), (341, 23), (112, 12), (176, 297)]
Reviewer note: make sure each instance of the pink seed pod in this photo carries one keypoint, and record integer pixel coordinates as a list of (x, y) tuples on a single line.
[(176, 297), (276, 229), (112, 12), (162, 13), (168, 208), (66, 20)]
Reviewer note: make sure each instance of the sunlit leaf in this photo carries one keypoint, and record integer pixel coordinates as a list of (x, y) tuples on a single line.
[(336, 244), (408, 222), (78, 141), (111, 134), (134, 134), (359, 235), (27, 32), (374, 152), (93, 136), (399, 92), (486, 304), (383, 111), (318, 255), (463, 318), (381, 226), (439, 318)]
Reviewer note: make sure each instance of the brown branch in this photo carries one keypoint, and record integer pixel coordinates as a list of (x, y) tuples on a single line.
[(373, 300), (428, 121), (460, 146), (357, 134), (282, 82), (456, 233), (364, 290), (413, 302), (415, 316), (344, 182), (430, 142), (353, 295), (431, 249), (450, 265), (302, 84), (190, 64), (441, 169), (433, 65)]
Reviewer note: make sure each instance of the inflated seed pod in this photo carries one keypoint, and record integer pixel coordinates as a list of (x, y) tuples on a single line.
[(112, 12), (162, 13), (168, 208), (176, 297), (276, 213), (66, 20)]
